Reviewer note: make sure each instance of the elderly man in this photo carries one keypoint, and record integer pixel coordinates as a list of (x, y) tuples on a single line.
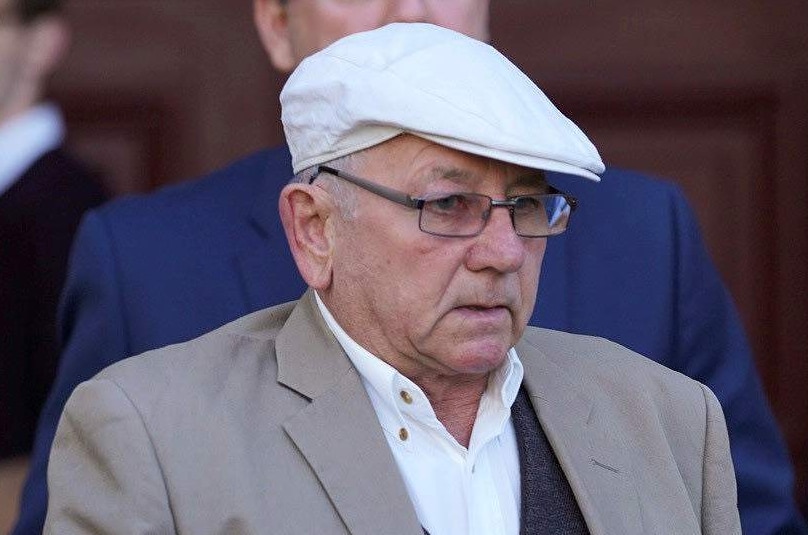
[(137, 282), (402, 393)]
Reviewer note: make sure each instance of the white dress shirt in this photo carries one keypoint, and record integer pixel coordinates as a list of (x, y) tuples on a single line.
[(25, 138), (455, 491)]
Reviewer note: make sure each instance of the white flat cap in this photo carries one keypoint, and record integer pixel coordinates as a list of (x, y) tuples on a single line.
[(436, 84)]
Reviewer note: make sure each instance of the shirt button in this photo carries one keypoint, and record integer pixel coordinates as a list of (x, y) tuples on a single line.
[(406, 397), (403, 434)]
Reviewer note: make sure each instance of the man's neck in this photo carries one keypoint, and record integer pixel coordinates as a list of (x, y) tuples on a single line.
[(18, 101), (455, 403)]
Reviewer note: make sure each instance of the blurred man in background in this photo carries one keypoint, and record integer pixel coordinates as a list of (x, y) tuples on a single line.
[(43, 193), (156, 270)]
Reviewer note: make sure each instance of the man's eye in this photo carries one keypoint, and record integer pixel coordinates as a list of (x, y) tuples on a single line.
[(527, 203), (449, 203)]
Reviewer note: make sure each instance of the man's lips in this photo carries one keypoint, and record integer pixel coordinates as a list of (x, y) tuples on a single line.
[(490, 312)]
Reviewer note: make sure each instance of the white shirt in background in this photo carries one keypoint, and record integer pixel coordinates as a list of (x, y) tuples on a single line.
[(26, 138)]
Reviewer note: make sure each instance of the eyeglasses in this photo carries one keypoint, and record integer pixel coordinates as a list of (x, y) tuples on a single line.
[(464, 215)]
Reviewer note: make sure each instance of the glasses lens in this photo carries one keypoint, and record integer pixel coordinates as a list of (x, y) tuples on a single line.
[(535, 216), (456, 215), (541, 215), (465, 214)]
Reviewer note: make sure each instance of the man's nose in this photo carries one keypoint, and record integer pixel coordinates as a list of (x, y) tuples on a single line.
[(498, 246), (407, 11)]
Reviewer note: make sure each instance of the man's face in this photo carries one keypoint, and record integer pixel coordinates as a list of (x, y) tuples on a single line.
[(311, 25), (429, 304)]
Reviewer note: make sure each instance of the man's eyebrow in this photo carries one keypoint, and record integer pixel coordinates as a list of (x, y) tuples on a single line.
[(531, 178), (453, 174)]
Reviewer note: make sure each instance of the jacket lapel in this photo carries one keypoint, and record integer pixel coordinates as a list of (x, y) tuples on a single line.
[(338, 432), (589, 450)]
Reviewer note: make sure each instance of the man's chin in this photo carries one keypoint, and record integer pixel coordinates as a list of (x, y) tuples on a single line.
[(479, 358)]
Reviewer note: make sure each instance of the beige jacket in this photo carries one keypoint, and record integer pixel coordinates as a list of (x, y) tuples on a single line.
[(263, 426)]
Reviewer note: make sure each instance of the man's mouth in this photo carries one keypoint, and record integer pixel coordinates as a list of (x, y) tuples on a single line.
[(483, 311)]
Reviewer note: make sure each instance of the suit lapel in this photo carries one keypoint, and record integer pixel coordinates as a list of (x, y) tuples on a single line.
[(589, 450), (338, 432)]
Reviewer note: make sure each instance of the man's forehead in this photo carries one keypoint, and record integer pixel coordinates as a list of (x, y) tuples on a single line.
[(467, 175)]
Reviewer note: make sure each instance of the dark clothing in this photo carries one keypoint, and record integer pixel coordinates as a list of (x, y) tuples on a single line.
[(39, 215), (548, 503)]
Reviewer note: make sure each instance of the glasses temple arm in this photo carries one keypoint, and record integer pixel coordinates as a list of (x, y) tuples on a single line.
[(382, 191)]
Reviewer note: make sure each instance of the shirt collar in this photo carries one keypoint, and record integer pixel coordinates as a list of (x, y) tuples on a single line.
[(25, 138), (503, 383)]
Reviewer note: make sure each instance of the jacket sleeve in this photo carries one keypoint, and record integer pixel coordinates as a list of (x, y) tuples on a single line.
[(712, 348), (94, 335), (104, 474)]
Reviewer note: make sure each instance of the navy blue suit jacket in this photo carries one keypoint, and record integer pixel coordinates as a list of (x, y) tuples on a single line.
[(155, 270)]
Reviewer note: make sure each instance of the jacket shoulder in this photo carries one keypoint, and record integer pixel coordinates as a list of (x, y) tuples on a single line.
[(225, 375), (232, 188), (57, 184), (236, 353), (621, 374), (643, 401)]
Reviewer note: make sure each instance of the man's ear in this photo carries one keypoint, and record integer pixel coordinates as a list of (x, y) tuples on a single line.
[(308, 215), (48, 41), (270, 19)]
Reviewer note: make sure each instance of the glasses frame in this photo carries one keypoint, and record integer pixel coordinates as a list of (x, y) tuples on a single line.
[(418, 203)]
